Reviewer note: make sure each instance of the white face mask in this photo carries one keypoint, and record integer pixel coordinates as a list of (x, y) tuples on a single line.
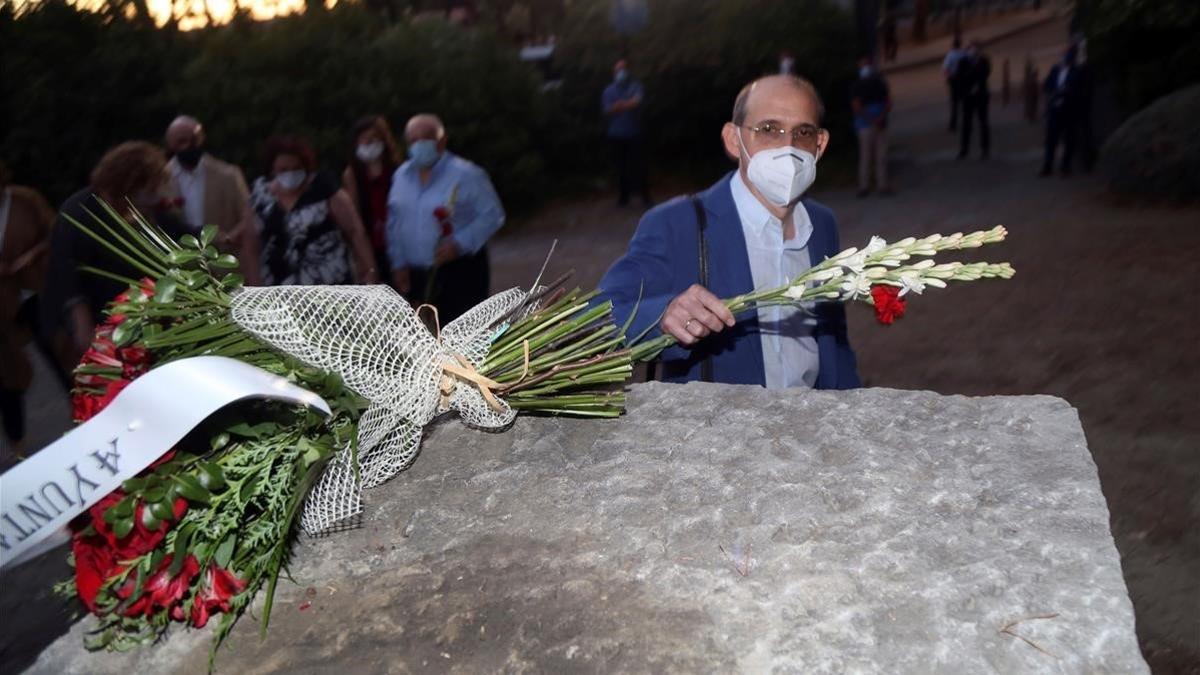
[(781, 175), (290, 180), (369, 152)]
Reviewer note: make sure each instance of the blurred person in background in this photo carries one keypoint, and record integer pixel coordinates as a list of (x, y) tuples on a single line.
[(367, 179), (307, 225), (442, 209), (622, 105), (787, 63), (974, 70), (871, 102), (950, 72), (25, 226), (212, 192), (132, 175), (1063, 88)]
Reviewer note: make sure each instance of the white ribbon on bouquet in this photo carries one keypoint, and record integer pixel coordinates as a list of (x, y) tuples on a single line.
[(39, 496)]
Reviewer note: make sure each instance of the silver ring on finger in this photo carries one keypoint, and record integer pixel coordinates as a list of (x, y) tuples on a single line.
[(688, 324)]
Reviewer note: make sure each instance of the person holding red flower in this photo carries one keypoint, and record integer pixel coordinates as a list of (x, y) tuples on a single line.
[(442, 209)]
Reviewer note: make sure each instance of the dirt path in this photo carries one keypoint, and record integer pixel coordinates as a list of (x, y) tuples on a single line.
[(1099, 314)]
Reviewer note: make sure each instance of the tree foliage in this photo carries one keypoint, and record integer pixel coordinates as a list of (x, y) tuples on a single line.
[(76, 83), (1148, 48)]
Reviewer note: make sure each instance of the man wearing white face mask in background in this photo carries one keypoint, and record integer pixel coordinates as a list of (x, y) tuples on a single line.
[(442, 209), (752, 229)]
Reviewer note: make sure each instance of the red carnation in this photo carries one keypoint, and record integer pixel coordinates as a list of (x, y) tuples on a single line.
[(161, 590), (136, 360), (889, 306), (220, 585), (442, 214), (86, 406), (94, 564)]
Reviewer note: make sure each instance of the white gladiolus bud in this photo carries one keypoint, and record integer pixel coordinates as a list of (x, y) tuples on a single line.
[(795, 293), (826, 274), (875, 272)]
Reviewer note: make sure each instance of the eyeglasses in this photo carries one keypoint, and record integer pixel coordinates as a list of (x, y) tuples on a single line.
[(774, 134)]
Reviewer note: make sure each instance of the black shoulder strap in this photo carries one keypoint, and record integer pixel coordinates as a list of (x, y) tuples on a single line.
[(706, 367)]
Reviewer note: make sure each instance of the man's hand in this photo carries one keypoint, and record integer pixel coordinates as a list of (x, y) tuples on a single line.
[(402, 280), (694, 314), (445, 252)]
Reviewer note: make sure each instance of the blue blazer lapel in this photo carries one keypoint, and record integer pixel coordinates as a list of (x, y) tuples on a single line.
[(728, 262), (739, 355)]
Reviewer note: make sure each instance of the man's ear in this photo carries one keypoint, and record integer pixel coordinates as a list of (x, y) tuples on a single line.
[(442, 143), (823, 146), (729, 137)]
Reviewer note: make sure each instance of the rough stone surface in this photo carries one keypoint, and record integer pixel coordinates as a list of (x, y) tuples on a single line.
[(714, 528), (1155, 155)]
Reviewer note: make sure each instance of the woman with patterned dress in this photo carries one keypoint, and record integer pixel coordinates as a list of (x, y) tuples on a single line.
[(309, 230)]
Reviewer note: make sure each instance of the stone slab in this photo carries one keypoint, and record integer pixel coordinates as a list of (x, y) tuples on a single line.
[(713, 528)]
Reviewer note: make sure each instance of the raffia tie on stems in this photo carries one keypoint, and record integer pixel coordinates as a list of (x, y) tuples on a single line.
[(375, 341), (463, 371)]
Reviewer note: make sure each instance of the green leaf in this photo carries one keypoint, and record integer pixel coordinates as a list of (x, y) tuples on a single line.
[(164, 291), (179, 552), (126, 332), (133, 484), (211, 476), (148, 520), (256, 431), (248, 488), (207, 234), (225, 550), (157, 493), (194, 278), (161, 510), (219, 441), (233, 280), (191, 489), (182, 256), (123, 508), (226, 262), (189, 241), (122, 527)]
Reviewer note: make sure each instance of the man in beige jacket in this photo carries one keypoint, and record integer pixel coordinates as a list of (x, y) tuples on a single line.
[(210, 192)]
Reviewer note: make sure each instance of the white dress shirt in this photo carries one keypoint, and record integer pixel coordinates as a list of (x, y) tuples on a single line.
[(191, 188), (789, 348)]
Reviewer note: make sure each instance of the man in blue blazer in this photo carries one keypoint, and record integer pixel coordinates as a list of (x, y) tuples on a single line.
[(752, 229)]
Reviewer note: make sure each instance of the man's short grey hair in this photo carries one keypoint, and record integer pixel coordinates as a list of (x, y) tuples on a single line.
[(743, 97)]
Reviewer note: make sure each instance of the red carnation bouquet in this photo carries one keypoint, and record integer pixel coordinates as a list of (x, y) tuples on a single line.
[(196, 535)]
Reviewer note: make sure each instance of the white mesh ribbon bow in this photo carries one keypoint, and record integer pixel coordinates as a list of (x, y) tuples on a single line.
[(373, 339)]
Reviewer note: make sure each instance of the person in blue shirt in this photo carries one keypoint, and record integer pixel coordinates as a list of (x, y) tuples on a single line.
[(871, 102), (442, 209), (622, 105), (759, 231)]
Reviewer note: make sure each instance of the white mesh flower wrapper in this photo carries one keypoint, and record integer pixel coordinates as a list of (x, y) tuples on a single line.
[(373, 339)]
